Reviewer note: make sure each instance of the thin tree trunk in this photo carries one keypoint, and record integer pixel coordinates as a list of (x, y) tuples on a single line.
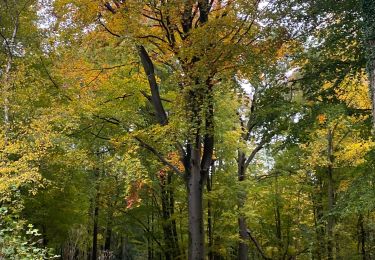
[(94, 254), (108, 236), (319, 229), (94, 251), (331, 198), (243, 246), (278, 216), (362, 236), (8, 43), (320, 248), (149, 246), (172, 220), (169, 225), (209, 216)]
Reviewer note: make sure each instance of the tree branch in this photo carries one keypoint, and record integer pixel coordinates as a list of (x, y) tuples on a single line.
[(157, 154), (254, 152), (257, 245), (106, 28), (208, 142), (148, 67), (51, 79)]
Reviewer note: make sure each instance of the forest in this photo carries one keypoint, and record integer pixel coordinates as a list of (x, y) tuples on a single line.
[(187, 129)]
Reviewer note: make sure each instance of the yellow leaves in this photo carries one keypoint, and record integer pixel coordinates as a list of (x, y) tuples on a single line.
[(353, 91), (18, 164), (349, 147), (344, 185), (84, 10), (353, 152)]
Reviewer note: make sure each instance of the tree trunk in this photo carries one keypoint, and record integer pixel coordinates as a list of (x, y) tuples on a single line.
[(278, 216), (94, 254), (94, 251), (319, 248), (6, 81), (331, 198), (108, 236), (169, 225), (195, 207), (243, 247), (173, 224), (209, 217), (362, 236)]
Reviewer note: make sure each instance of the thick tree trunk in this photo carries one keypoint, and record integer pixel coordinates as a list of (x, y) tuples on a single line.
[(195, 207), (243, 247)]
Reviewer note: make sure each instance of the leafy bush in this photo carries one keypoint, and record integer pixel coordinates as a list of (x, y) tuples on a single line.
[(18, 241)]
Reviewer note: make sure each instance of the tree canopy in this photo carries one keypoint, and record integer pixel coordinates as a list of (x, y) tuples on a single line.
[(186, 129)]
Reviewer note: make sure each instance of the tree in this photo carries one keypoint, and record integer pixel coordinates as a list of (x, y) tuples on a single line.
[(180, 35)]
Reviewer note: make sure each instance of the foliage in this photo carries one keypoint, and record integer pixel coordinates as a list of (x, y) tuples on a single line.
[(88, 159)]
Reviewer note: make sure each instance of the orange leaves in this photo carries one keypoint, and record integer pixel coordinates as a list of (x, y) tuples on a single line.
[(133, 198), (173, 158), (321, 118)]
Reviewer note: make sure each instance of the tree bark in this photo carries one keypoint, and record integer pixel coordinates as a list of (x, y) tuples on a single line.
[(319, 250), (209, 216), (169, 225), (94, 252), (362, 236), (108, 235), (278, 216), (195, 207), (9, 45), (243, 247), (331, 197)]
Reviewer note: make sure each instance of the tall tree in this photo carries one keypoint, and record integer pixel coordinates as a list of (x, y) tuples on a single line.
[(180, 36)]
